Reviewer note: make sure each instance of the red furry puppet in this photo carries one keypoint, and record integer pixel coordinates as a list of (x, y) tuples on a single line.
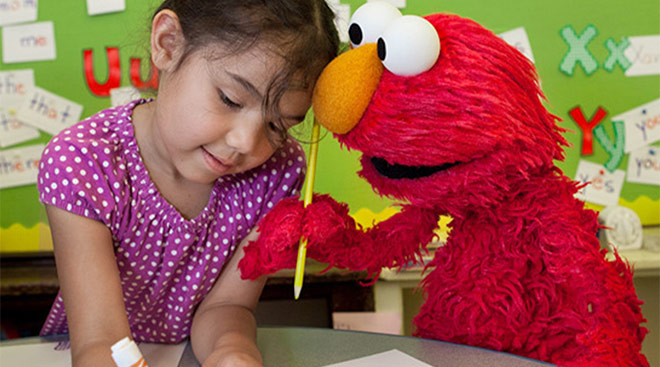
[(450, 121)]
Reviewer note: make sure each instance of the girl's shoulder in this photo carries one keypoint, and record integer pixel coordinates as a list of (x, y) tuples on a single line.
[(86, 164), (100, 138)]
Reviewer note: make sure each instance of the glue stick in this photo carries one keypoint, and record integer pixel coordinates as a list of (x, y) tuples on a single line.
[(126, 354)]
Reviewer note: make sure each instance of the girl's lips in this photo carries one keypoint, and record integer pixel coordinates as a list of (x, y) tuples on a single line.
[(215, 164)]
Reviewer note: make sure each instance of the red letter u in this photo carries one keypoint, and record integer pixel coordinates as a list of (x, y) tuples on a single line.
[(137, 80), (114, 72)]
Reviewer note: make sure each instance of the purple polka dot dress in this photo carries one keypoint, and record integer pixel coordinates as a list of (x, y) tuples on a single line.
[(167, 263)]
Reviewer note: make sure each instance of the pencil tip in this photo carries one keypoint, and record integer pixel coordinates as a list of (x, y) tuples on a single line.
[(296, 291)]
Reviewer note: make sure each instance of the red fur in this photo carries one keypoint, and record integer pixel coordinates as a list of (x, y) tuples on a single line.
[(522, 270)]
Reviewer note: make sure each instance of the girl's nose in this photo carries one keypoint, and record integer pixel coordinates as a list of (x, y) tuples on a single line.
[(245, 135)]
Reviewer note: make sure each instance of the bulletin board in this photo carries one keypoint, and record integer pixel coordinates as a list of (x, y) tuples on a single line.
[(598, 60)]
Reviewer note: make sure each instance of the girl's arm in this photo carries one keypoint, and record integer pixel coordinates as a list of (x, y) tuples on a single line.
[(90, 285), (224, 330)]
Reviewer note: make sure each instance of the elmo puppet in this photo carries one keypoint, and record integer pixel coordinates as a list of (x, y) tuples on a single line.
[(450, 121)]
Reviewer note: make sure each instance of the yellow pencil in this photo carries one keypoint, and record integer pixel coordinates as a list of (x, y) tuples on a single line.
[(309, 190)]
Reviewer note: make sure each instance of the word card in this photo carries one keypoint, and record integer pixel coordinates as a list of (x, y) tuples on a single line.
[(642, 125), (19, 166), (396, 3), (47, 111), (105, 6), (604, 188), (123, 95), (518, 38), (13, 131), (342, 17), (644, 166), (644, 53), (13, 86), (17, 11), (28, 42)]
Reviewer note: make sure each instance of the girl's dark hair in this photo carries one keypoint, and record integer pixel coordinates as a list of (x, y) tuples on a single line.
[(301, 31)]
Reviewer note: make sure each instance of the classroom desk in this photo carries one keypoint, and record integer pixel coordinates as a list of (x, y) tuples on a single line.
[(308, 347), (316, 347)]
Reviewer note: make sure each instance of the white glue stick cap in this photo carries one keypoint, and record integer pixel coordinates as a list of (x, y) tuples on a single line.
[(126, 353)]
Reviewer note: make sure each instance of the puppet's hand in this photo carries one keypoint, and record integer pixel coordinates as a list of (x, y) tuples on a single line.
[(277, 245), (325, 221), (334, 237)]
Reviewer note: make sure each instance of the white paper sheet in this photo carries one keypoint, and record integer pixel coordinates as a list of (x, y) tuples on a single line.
[(375, 322), (643, 53), (19, 166), (48, 111), (105, 6), (342, 17), (13, 131), (123, 95), (28, 42), (397, 3), (391, 358), (518, 38), (604, 187), (17, 11), (642, 125), (644, 166), (44, 354), (14, 85)]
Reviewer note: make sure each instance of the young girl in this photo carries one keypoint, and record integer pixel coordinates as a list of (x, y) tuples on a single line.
[(150, 203)]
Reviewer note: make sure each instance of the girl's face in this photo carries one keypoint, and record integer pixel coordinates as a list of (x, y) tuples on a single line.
[(210, 114)]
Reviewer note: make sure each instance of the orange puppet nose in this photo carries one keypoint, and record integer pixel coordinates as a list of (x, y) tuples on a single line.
[(345, 88)]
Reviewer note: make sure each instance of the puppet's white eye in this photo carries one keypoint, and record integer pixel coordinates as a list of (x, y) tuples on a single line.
[(369, 21), (409, 46)]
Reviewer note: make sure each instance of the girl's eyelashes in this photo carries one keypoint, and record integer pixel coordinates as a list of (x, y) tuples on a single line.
[(273, 126), (226, 100), (276, 133)]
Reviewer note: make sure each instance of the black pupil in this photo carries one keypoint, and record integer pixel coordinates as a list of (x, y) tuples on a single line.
[(355, 34), (381, 49)]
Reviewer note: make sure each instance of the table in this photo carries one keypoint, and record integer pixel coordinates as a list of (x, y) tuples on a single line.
[(316, 347), (309, 347)]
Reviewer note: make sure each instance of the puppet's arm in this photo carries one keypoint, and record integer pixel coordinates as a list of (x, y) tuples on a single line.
[(334, 238)]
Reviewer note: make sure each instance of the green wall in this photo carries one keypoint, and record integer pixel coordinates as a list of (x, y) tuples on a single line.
[(615, 92)]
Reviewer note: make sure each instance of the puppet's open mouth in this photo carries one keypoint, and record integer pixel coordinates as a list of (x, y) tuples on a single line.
[(398, 171)]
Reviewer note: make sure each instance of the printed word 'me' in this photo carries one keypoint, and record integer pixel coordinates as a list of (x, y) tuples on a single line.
[(34, 41)]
